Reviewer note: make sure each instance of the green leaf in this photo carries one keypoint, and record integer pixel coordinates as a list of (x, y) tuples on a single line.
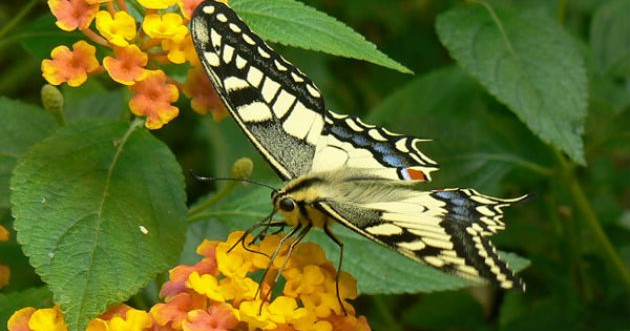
[(99, 209), (41, 35), (22, 125), (475, 144), (377, 269), (609, 35), (292, 23), (527, 62), (92, 100)]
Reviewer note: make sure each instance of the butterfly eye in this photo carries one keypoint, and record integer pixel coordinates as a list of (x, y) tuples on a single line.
[(287, 204)]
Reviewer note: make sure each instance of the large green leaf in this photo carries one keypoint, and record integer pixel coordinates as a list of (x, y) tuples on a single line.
[(22, 125), (527, 62), (292, 23), (473, 140), (99, 209), (377, 268)]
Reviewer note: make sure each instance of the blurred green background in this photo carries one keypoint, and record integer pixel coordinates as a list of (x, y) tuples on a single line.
[(573, 282)]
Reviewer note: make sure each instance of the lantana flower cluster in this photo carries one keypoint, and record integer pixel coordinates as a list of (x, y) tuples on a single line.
[(139, 44), (219, 293)]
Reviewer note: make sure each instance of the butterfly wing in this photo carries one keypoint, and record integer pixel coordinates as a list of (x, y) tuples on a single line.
[(282, 112), (349, 143), (446, 229)]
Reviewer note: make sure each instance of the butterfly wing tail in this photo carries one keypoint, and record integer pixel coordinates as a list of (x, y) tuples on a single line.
[(470, 218)]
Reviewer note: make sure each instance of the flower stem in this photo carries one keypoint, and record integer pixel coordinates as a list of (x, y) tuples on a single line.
[(583, 206), (212, 200), (18, 17)]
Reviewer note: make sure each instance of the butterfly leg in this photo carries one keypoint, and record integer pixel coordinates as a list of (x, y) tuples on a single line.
[(299, 232), (339, 243)]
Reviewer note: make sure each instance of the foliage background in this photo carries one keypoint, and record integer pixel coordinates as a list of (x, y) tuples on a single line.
[(573, 281)]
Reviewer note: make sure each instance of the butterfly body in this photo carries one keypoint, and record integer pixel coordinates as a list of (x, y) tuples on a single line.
[(338, 169)]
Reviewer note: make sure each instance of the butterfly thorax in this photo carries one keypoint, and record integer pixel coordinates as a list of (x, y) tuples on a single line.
[(300, 199)]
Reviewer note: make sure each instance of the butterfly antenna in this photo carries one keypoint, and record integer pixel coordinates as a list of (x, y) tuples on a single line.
[(244, 180)]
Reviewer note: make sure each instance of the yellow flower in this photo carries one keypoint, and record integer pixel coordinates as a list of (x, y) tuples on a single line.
[(157, 4), (134, 320), (48, 319), (167, 26), (118, 30)]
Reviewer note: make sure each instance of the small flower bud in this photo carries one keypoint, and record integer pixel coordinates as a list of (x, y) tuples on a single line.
[(242, 168), (52, 100)]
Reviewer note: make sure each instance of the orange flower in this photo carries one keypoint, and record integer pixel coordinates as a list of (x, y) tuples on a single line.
[(19, 320), (188, 7), (4, 233), (70, 67), (127, 65), (153, 99), (203, 98), (72, 14), (216, 318)]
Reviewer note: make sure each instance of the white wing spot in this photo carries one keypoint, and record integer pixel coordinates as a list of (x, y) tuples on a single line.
[(315, 132), (313, 90), (228, 53), (234, 84), (240, 62), (284, 101), (434, 261), (208, 10), (279, 65), (215, 37), (384, 229), (438, 243), (299, 121), (255, 112), (248, 39), (296, 77), (401, 145), (416, 245), (374, 134), (269, 89), (235, 28), (254, 76), (212, 58), (221, 18), (353, 125), (263, 53)]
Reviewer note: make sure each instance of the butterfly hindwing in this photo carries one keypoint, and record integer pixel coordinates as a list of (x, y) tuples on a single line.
[(445, 229)]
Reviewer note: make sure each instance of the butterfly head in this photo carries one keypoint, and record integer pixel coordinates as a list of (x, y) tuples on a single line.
[(297, 202)]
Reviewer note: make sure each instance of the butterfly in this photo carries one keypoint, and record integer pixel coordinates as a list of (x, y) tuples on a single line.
[(338, 169)]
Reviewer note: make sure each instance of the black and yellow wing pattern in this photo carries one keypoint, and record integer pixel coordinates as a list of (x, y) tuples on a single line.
[(338, 168)]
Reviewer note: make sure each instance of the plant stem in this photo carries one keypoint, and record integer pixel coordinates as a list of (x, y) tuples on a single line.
[(583, 206), (18, 17), (211, 200), (385, 313)]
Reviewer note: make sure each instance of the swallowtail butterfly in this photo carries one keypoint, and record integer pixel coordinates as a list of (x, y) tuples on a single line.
[(339, 169)]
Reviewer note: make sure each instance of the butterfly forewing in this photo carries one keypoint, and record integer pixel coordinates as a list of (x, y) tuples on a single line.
[(282, 112), (279, 108)]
